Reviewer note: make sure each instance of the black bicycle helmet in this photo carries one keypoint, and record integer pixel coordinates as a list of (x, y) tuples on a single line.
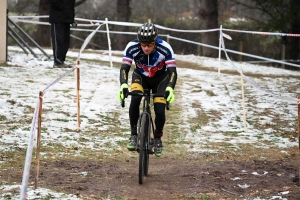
[(147, 33)]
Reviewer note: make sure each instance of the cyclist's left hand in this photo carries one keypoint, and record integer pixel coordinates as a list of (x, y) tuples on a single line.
[(171, 97)]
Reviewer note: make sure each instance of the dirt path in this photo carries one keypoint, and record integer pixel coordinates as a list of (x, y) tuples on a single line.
[(171, 178)]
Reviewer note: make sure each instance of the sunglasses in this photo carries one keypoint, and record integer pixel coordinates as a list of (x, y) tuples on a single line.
[(149, 44)]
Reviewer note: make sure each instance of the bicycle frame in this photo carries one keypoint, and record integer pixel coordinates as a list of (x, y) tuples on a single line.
[(146, 107), (146, 110), (145, 142)]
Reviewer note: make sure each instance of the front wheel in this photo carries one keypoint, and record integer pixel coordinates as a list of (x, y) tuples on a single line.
[(143, 151)]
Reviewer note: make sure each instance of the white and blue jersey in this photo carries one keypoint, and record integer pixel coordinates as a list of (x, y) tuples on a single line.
[(153, 64)]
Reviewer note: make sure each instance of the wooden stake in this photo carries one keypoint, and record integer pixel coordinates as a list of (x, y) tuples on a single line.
[(243, 103), (283, 55), (78, 96), (241, 50), (38, 147), (299, 132)]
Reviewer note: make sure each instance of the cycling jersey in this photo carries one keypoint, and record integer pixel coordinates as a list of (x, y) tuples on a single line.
[(159, 61)]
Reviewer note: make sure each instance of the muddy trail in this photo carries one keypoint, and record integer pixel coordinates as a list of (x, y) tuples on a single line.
[(170, 178)]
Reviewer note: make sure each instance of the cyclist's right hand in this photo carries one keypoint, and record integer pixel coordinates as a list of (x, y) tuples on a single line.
[(121, 96)]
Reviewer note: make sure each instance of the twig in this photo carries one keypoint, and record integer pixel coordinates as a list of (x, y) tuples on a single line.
[(230, 192)]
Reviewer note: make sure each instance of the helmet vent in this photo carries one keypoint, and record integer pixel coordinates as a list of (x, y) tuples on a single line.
[(147, 33)]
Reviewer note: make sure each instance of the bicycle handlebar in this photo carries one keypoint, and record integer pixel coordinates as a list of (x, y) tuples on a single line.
[(126, 93)]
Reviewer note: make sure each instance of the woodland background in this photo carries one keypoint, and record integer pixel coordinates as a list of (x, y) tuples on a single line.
[(252, 15)]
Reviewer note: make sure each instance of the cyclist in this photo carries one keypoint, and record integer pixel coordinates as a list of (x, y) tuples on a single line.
[(155, 69)]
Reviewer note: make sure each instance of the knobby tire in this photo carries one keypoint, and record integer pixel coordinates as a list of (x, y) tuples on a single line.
[(147, 139), (143, 152)]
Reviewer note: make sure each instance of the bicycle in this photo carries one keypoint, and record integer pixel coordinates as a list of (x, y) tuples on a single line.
[(145, 141)]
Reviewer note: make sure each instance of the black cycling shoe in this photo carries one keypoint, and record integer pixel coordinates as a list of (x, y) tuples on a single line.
[(131, 146), (158, 147)]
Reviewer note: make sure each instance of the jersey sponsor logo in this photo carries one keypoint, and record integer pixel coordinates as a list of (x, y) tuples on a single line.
[(150, 71), (124, 75), (163, 50)]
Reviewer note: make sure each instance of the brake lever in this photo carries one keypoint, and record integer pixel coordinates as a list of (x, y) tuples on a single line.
[(168, 106)]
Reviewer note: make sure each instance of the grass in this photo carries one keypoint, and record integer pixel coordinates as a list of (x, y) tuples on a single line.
[(210, 93), (29, 81), (3, 118)]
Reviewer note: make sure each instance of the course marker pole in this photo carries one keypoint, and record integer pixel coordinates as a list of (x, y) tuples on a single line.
[(243, 101), (38, 146), (299, 131), (220, 50), (109, 43), (78, 96)]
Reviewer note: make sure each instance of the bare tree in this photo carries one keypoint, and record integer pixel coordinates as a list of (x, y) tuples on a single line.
[(282, 16), (43, 37), (294, 42), (208, 15), (123, 14)]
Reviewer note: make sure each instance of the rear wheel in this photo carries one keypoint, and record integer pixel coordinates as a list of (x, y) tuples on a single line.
[(143, 152)]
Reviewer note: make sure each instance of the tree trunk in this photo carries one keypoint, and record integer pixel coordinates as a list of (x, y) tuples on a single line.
[(208, 14), (293, 43), (123, 14), (43, 37)]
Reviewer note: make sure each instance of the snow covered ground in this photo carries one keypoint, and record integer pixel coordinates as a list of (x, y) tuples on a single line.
[(26, 76)]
